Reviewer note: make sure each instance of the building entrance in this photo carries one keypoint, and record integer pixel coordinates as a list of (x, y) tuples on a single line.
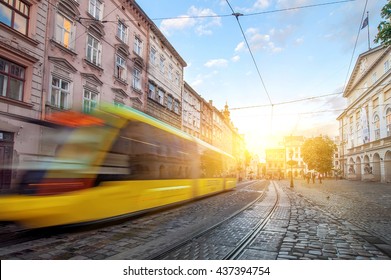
[(6, 148)]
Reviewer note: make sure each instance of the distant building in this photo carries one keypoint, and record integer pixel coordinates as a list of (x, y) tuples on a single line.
[(191, 111), (275, 162), (206, 124), (293, 146), (365, 125)]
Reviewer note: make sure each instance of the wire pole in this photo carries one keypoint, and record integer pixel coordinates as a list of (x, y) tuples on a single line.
[(369, 42)]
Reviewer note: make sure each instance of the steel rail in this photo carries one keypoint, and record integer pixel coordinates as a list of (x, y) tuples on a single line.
[(160, 255), (251, 235)]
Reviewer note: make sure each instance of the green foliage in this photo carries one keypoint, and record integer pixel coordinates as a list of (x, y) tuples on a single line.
[(384, 28), (318, 153)]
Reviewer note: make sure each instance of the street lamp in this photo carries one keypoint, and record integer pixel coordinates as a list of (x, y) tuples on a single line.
[(291, 163)]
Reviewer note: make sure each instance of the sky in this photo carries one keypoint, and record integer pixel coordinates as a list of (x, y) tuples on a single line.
[(290, 80)]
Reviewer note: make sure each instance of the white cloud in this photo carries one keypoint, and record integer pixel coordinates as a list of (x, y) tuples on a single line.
[(261, 4), (217, 63), (182, 22), (299, 41), (235, 58), (202, 21), (239, 47), (272, 41)]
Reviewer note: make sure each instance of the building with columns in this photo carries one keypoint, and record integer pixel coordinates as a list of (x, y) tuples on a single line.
[(365, 124)]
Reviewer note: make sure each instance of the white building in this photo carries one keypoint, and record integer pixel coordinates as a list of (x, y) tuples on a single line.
[(365, 125)]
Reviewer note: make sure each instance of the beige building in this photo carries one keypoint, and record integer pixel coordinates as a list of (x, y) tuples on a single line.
[(365, 125), (275, 162), (165, 78), (292, 146), (22, 51), (206, 121), (191, 111)]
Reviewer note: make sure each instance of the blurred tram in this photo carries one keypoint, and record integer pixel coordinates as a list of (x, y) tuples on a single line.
[(115, 162)]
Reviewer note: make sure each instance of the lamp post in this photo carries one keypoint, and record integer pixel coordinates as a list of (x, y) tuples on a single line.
[(291, 163)]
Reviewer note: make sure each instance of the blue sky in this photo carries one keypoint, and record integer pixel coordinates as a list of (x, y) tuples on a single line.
[(300, 53)]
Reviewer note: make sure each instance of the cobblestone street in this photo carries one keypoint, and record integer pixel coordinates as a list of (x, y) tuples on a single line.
[(333, 220)]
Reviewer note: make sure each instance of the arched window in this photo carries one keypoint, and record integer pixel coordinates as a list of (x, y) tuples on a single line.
[(388, 121), (376, 123), (65, 24)]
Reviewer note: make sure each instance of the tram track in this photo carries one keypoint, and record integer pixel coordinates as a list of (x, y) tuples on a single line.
[(12, 234), (257, 214)]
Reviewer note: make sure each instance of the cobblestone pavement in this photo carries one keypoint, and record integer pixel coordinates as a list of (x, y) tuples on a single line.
[(324, 222), (333, 220)]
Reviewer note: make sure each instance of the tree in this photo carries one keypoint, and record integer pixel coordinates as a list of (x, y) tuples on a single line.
[(384, 28), (318, 153)]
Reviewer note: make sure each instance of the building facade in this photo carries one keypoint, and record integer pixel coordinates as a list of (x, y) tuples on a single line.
[(22, 51), (292, 146), (59, 55), (275, 162), (206, 121), (365, 125), (191, 111), (165, 79)]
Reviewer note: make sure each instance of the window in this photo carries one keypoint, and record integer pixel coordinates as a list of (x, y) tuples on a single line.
[(160, 96), (177, 79), (162, 64), (90, 100), (60, 93), (120, 68), (122, 32), (388, 121), (152, 55), (15, 14), (138, 46), (64, 33), (176, 106), (95, 8), (93, 50), (11, 80), (169, 102), (386, 66), (376, 122), (170, 69), (136, 79), (151, 90)]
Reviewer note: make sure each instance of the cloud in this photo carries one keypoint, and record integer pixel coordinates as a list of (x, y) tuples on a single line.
[(273, 41), (260, 41), (217, 63), (257, 6), (201, 21), (235, 58), (261, 4), (171, 25), (240, 47)]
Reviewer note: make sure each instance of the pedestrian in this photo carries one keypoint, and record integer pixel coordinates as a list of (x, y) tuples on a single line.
[(320, 178), (313, 177), (307, 177)]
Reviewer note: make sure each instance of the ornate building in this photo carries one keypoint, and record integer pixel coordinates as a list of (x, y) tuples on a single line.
[(365, 125), (22, 54), (191, 111)]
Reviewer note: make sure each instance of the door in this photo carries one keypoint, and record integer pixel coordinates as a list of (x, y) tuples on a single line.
[(6, 148)]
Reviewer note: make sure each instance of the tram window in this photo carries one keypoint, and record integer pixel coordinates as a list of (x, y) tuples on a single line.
[(153, 153)]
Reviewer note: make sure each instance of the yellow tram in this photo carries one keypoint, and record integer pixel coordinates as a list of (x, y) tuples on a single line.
[(116, 161)]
